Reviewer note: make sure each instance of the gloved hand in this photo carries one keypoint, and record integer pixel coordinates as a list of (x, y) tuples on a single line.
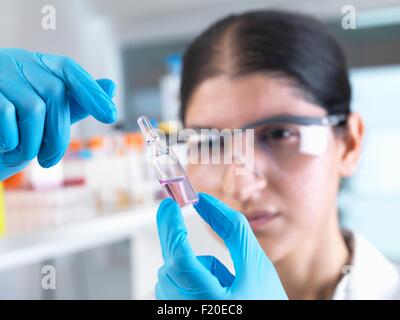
[(41, 96), (187, 276)]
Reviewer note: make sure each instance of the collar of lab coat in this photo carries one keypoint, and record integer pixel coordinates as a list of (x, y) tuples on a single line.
[(370, 275)]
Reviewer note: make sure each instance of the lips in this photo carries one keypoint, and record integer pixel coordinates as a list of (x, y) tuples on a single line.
[(260, 218)]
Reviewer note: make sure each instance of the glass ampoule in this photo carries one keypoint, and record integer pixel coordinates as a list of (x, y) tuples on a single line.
[(170, 172)]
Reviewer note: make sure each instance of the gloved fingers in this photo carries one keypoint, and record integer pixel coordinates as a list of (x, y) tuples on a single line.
[(108, 86), (56, 134), (8, 125), (165, 290), (188, 273), (218, 269), (172, 231), (84, 89), (233, 228), (77, 112), (182, 271), (190, 279), (160, 292), (7, 171), (30, 112)]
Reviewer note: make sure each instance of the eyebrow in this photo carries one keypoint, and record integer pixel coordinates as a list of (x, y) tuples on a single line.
[(203, 127), (327, 120)]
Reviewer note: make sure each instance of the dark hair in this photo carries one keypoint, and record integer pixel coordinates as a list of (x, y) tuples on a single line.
[(295, 46)]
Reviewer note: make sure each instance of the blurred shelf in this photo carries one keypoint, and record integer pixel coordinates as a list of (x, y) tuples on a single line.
[(42, 243)]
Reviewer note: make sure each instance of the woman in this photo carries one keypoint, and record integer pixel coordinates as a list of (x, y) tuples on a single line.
[(288, 70)]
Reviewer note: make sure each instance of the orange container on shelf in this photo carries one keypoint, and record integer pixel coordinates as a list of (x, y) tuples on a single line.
[(98, 145), (134, 140), (75, 146), (17, 181), (97, 142)]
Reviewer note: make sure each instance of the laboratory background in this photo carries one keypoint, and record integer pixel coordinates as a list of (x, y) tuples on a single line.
[(91, 218)]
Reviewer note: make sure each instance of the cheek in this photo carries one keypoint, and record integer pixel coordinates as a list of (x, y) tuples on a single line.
[(305, 197), (311, 191), (209, 179), (203, 180)]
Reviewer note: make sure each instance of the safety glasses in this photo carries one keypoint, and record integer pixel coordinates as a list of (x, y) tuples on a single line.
[(286, 141)]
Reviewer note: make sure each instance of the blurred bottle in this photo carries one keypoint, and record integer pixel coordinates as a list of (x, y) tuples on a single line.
[(169, 89), (135, 166), (99, 173), (16, 181), (99, 146), (143, 183), (74, 163), (45, 178), (37, 178), (169, 127)]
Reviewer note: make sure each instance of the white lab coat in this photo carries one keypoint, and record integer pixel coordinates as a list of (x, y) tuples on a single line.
[(369, 276)]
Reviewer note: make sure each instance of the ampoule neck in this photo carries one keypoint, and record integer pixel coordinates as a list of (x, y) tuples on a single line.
[(158, 148)]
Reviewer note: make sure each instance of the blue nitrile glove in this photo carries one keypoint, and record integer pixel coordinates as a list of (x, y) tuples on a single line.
[(41, 95), (187, 276)]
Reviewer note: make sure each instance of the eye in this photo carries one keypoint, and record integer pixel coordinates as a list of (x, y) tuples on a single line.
[(278, 134)]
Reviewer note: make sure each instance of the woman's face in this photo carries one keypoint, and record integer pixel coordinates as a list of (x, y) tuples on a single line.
[(290, 206)]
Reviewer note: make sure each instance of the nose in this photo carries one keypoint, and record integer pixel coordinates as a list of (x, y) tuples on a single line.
[(242, 181)]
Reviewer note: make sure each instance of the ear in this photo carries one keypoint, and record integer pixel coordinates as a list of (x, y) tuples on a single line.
[(353, 139)]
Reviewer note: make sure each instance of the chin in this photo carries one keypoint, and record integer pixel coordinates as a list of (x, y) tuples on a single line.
[(276, 249)]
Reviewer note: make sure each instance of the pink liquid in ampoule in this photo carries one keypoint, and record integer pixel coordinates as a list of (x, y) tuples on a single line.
[(180, 189)]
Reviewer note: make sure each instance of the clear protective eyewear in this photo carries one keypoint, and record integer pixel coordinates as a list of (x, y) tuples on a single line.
[(286, 140)]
